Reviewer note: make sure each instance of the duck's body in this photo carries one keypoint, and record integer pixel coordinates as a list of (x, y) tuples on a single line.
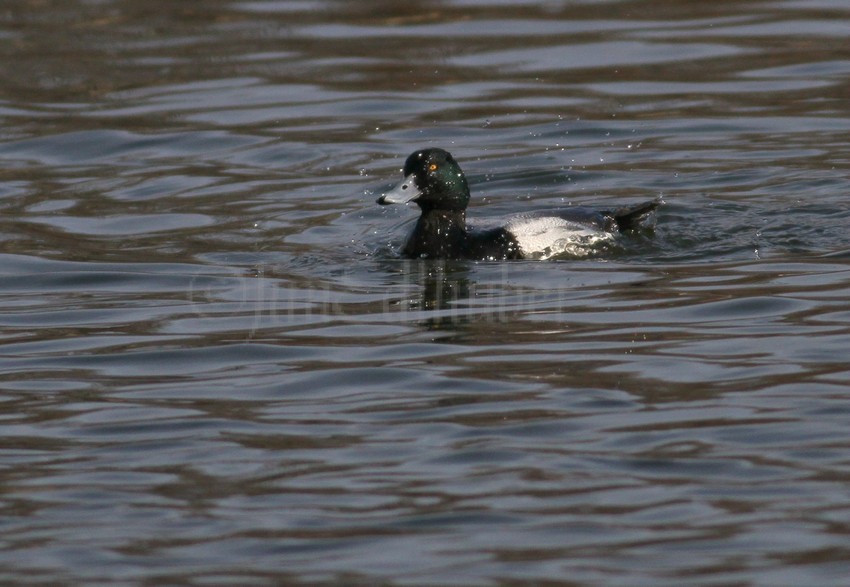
[(436, 183)]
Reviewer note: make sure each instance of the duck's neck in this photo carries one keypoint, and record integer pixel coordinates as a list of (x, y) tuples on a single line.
[(439, 234)]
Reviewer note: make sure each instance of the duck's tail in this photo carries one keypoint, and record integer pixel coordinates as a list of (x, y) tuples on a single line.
[(637, 215)]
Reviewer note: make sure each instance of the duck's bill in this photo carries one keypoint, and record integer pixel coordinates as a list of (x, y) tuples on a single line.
[(404, 192)]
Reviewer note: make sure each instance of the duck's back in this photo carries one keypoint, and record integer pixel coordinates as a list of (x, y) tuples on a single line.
[(543, 235), (574, 230)]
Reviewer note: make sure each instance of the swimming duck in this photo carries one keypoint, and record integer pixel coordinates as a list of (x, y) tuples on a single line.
[(435, 182)]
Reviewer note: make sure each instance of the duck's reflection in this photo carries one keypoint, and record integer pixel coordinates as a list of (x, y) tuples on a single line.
[(443, 287), (444, 284)]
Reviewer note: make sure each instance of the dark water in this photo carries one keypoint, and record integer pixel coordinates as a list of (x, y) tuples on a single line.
[(215, 369)]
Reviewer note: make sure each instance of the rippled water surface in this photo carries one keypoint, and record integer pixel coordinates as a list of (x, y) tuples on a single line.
[(216, 369)]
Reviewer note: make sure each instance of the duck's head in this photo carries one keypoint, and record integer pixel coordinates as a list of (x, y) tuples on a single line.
[(432, 179)]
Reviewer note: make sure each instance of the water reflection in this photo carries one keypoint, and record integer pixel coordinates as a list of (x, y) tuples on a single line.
[(439, 291), (443, 283)]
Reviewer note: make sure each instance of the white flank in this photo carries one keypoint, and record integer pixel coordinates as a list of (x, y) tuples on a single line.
[(542, 237)]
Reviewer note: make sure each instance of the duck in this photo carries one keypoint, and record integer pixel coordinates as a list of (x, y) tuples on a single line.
[(434, 181)]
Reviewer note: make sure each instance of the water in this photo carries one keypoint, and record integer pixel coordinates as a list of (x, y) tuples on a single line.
[(215, 368)]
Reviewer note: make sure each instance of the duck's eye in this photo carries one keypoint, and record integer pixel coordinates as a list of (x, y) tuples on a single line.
[(432, 167)]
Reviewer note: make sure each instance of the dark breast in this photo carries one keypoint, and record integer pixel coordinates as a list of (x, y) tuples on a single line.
[(437, 235), (442, 235)]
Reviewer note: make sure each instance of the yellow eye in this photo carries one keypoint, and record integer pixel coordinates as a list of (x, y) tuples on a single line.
[(432, 167)]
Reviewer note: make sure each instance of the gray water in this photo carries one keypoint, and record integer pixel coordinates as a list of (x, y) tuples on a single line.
[(216, 369)]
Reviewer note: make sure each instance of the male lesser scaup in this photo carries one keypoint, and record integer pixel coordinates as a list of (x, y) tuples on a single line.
[(434, 180)]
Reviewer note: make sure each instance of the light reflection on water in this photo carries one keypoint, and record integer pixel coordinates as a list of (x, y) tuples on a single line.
[(214, 365)]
